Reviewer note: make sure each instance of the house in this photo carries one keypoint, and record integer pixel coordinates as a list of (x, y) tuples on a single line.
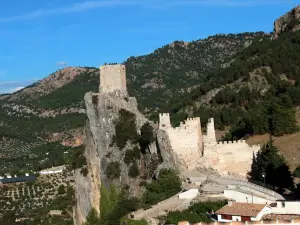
[(285, 207), (237, 211), (17, 179)]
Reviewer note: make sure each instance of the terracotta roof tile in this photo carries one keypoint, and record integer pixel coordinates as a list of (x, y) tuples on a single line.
[(241, 209)]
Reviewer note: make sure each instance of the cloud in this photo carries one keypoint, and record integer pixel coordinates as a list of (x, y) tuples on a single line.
[(153, 4), (61, 63), (16, 89), (16, 83), (75, 8)]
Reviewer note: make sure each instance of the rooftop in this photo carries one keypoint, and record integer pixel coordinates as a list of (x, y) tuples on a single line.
[(241, 209)]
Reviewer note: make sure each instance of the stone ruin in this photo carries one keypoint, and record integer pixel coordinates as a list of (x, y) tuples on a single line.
[(198, 150)]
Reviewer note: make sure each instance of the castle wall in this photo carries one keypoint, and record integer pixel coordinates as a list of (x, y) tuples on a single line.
[(199, 150), (186, 140), (112, 78), (234, 157)]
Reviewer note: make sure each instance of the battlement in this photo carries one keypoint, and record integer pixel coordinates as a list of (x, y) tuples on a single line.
[(164, 121), (237, 142), (231, 142), (113, 79)]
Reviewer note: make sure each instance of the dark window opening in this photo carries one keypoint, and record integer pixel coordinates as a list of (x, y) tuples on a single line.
[(226, 217), (246, 218)]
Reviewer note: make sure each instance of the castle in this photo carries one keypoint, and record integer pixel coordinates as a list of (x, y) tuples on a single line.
[(113, 79), (187, 141), (198, 150)]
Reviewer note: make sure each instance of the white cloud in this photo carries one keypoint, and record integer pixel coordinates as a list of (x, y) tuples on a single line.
[(15, 89), (154, 4), (16, 83), (75, 8), (61, 63)]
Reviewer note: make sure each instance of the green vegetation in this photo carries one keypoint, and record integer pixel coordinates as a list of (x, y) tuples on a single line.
[(146, 136), (156, 78), (37, 199), (296, 172), (167, 185), (195, 213), (114, 205), (71, 94), (125, 128), (257, 110), (133, 170), (113, 170), (268, 166)]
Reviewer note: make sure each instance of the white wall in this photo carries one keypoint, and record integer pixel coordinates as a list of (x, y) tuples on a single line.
[(264, 211), (291, 207), (241, 197), (190, 194)]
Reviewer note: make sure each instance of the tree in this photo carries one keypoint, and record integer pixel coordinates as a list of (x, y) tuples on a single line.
[(61, 189), (273, 166), (113, 170), (133, 170), (92, 218)]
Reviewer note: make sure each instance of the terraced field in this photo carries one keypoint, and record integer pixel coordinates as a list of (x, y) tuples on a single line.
[(48, 192)]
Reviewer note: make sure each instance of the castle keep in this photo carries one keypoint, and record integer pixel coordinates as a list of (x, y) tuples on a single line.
[(112, 79), (198, 150)]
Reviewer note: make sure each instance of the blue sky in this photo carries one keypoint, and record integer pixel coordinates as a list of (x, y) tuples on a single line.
[(38, 37)]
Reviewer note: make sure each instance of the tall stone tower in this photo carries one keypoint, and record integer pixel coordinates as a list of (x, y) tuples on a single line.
[(113, 79), (210, 131), (164, 121)]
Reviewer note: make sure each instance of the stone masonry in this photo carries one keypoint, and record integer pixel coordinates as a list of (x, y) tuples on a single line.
[(198, 150), (112, 78)]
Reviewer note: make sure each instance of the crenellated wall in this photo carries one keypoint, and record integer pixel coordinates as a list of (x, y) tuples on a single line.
[(199, 150), (186, 140)]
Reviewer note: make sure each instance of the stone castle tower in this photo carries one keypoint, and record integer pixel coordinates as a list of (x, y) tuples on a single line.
[(113, 79), (198, 150)]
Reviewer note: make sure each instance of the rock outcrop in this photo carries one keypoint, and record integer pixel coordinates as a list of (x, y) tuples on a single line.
[(102, 111), (288, 22)]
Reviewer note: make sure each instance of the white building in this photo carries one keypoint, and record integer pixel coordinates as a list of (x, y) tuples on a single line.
[(53, 170), (190, 194), (237, 211), (286, 207)]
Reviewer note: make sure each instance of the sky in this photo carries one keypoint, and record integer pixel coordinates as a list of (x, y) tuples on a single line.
[(39, 37)]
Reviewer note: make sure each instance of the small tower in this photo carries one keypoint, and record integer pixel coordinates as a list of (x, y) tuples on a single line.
[(210, 131), (164, 121), (113, 79)]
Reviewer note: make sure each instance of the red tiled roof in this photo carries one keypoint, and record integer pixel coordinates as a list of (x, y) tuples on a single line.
[(241, 209)]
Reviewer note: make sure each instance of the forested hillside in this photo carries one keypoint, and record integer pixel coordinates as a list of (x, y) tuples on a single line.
[(180, 67), (256, 94)]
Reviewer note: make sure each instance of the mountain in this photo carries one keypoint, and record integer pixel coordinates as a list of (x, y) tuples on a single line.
[(248, 82), (225, 76)]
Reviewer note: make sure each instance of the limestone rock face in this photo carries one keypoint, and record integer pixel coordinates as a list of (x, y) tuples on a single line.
[(288, 22), (102, 110)]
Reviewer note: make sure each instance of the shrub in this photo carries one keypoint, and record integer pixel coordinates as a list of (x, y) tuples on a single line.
[(84, 171), (133, 170), (167, 184), (125, 128), (61, 189), (95, 99), (113, 170), (296, 172)]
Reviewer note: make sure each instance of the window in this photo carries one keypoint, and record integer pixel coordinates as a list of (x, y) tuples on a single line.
[(246, 218), (282, 204), (226, 217)]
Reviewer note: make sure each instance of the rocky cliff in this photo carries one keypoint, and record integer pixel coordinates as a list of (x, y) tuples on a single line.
[(103, 110), (288, 22)]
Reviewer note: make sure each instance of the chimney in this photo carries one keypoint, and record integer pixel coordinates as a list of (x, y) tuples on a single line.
[(230, 202)]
